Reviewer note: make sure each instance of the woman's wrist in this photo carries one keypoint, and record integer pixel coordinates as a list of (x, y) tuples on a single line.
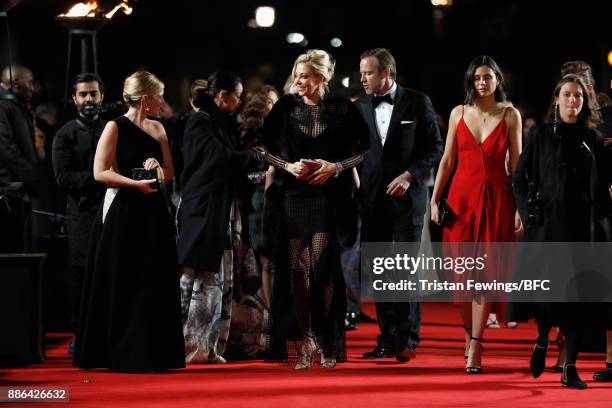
[(338, 169)]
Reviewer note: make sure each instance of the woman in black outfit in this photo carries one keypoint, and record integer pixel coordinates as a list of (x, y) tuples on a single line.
[(256, 109), (212, 165), (603, 206), (130, 315), (559, 161), (310, 124), (254, 266)]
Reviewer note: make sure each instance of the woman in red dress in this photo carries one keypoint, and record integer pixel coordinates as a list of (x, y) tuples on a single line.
[(484, 143)]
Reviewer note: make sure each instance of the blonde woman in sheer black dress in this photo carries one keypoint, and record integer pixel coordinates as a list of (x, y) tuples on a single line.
[(308, 301)]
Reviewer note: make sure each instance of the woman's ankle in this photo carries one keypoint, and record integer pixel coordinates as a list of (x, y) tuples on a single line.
[(542, 341)]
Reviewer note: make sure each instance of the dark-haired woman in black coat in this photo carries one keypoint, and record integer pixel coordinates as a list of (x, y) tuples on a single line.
[(212, 164), (559, 163)]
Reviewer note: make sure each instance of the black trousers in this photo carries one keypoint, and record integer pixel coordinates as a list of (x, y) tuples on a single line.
[(392, 221), (350, 269)]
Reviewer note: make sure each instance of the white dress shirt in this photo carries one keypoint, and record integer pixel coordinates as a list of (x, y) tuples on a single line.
[(383, 114)]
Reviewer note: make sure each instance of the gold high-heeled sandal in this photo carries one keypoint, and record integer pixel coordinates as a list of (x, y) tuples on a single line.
[(309, 348), (327, 362)]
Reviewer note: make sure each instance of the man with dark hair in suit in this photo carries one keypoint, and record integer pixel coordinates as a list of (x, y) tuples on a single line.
[(74, 148), (404, 144)]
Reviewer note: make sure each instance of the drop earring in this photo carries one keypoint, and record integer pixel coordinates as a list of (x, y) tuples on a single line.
[(556, 119)]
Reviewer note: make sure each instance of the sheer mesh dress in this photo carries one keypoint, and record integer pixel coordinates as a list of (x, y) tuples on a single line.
[(308, 300)]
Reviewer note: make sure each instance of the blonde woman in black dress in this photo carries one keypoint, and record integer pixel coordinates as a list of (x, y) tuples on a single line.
[(308, 301), (130, 314)]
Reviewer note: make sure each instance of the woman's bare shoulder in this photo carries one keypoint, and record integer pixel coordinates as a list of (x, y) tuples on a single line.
[(511, 113), (156, 129), (457, 112)]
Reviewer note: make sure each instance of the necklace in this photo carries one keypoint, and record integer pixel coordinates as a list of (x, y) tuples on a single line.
[(487, 114)]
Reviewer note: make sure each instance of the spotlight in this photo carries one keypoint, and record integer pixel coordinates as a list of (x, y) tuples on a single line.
[(264, 16), (442, 3), (610, 58), (345, 82), (295, 38), (336, 42)]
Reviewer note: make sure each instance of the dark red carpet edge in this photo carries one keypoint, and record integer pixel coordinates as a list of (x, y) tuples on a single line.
[(434, 378)]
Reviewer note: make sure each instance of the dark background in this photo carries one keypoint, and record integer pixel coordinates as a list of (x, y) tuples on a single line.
[(183, 40)]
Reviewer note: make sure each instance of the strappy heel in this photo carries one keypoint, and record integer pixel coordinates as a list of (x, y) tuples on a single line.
[(492, 322), (475, 369), (309, 349), (327, 362)]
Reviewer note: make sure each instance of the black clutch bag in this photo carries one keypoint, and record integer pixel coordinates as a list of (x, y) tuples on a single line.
[(144, 174), (446, 214)]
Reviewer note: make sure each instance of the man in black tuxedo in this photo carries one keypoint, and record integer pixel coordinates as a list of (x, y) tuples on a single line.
[(404, 144)]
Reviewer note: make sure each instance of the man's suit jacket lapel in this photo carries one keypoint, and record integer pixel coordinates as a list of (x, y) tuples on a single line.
[(400, 106), (370, 119)]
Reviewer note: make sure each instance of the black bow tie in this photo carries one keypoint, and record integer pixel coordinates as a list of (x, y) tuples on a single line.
[(377, 100)]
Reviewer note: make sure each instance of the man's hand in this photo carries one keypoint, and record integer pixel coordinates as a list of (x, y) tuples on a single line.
[(400, 184)]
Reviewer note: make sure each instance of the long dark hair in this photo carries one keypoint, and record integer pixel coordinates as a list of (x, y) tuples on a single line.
[(588, 115), (468, 80), (219, 81)]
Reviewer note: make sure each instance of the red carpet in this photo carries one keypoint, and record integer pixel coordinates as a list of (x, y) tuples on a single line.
[(434, 378)]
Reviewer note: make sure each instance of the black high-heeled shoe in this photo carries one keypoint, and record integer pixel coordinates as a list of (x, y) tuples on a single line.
[(605, 375), (475, 369), (570, 378), (538, 360)]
